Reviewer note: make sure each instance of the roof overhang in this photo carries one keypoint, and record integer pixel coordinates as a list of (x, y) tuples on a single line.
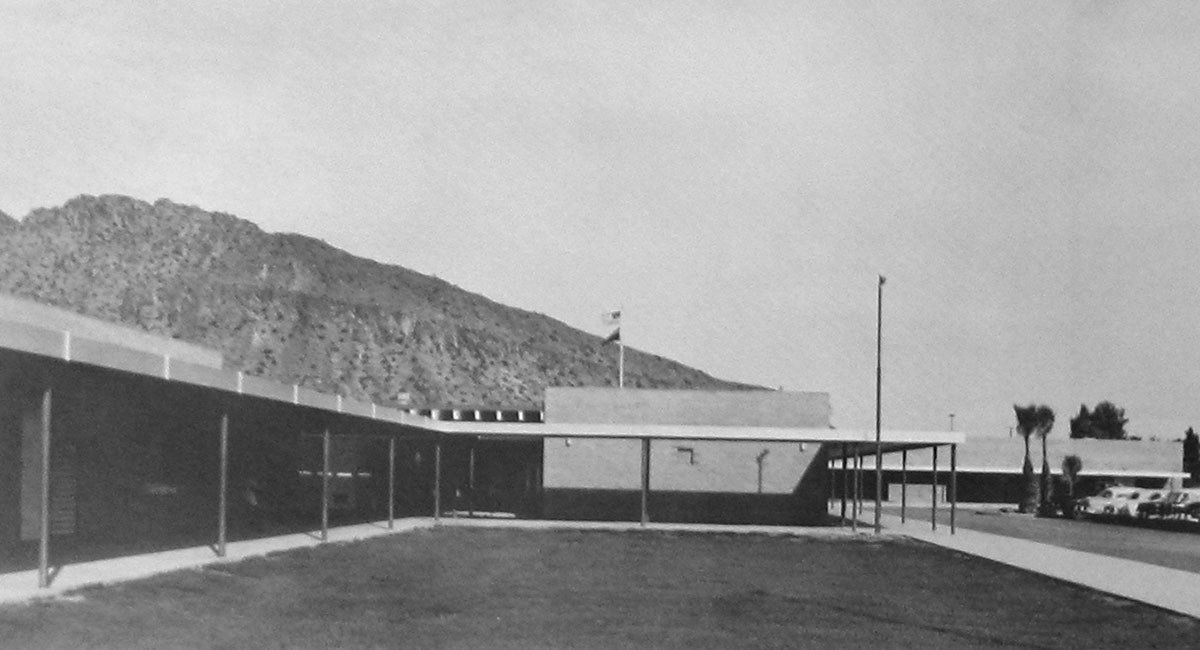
[(896, 441), (105, 352), (858, 438)]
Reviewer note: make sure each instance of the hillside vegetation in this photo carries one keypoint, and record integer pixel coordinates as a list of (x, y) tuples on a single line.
[(298, 310)]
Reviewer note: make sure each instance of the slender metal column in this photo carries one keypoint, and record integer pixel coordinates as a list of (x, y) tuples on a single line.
[(855, 503), (325, 487), (830, 465), (391, 481), (904, 486), (44, 534), (953, 485), (862, 484), (437, 480), (471, 481), (933, 491), (645, 481), (223, 494), (845, 481)]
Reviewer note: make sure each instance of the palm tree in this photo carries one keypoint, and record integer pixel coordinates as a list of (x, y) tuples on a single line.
[(1045, 422), (1072, 465), (1026, 425)]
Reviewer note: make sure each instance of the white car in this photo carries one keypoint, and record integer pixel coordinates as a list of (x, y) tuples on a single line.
[(1114, 502)]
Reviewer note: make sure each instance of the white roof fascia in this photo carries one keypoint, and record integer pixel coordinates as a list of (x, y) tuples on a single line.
[(693, 432)]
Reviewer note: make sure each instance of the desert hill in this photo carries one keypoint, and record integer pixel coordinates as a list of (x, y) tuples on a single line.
[(298, 310)]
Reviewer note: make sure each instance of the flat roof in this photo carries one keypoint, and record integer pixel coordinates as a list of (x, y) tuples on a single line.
[(71, 325), (893, 440), (99, 344)]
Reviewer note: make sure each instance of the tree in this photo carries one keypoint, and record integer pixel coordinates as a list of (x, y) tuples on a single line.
[(1033, 420), (1108, 421), (1045, 422), (1072, 465), (1105, 422), (1191, 453), (1081, 425)]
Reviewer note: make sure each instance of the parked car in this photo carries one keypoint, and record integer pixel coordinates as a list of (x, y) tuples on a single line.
[(1113, 502), (1154, 504), (1183, 503), (1192, 509)]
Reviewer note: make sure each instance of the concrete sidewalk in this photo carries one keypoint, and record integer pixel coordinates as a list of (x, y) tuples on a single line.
[(22, 585), (1170, 589), (621, 526)]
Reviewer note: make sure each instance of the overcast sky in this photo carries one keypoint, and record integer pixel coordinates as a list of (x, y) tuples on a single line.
[(734, 175)]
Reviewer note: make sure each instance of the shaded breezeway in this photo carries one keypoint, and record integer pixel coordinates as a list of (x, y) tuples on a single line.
[(109, 450)]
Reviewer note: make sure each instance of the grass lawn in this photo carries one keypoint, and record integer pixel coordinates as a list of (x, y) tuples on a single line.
[(492, 588)]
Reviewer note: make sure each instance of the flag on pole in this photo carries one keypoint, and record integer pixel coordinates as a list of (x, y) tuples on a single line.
[(614, 337), (611, 317)]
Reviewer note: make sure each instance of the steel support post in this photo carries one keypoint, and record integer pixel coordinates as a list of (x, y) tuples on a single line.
[(933, 492), (437, 480), (904, 486), (326, 441), (830, 464), (44, 513), (645, 481), (391, 482), (223, 489), (953, 485), (855, 503), (862, 483), (471, 481), (845, 481)]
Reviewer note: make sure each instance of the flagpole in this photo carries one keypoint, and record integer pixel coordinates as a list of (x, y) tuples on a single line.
[(620, 364), (614, 318), (878, 399)]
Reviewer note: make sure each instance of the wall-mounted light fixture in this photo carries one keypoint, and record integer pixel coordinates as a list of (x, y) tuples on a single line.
[(690, 451)]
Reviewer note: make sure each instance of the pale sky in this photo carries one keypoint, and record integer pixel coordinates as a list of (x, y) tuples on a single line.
[(734, 175)]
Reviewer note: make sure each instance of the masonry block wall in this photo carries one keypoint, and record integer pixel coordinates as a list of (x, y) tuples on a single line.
[(691, 480)]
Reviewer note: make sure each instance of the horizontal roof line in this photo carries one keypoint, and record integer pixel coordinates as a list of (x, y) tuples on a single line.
[(44, 342)]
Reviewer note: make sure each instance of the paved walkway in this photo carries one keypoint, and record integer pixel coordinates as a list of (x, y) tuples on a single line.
[(22, 585), (1170, 544), (1170, 589), (621, 526)]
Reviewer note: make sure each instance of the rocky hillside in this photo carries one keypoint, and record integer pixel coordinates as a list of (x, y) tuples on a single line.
[(299, 310)]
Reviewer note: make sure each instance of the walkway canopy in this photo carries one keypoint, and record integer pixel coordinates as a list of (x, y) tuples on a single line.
[(43, 348)]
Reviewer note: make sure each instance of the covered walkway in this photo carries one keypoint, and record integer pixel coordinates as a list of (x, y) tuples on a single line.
[(116, 443), (861, 484)]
